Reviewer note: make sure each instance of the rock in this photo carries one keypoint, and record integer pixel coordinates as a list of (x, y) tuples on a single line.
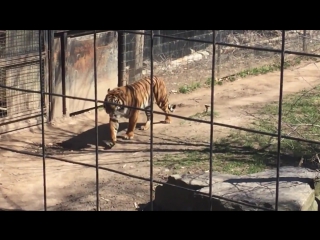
[(296, 191), (317, 191), (314, 206), (317, 187), (318, 202), (292, 197)]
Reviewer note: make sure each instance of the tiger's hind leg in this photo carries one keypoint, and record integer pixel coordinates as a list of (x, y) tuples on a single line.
[(167, 108), (146, 126), (132, 125)]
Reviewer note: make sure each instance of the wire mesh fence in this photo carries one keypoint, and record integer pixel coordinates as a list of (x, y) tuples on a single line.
[(19, 68), (212, 55)]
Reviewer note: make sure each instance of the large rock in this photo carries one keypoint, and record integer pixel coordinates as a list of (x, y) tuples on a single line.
[(317, 186), (296, 191)]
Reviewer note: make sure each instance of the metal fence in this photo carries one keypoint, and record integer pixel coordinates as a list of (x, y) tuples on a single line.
[(38, 94), (170, 52), (20, 68)]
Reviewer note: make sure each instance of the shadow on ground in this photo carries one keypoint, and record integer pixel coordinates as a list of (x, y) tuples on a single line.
[(10, 210), (147, 207), (87, 139)]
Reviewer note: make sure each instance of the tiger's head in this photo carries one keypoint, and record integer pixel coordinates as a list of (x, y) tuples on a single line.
[(114, 96)]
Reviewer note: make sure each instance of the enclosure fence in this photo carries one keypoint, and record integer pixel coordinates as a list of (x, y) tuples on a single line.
[(153, 37)]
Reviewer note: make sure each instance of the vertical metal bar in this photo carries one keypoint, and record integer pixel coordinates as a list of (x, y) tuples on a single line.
[(121, 58), (151, 120), (304, 46), (42, 123), (211, 114), (46, 71), (64, 46), (280, 117), (51, 69), (96, 115), (219, 55)]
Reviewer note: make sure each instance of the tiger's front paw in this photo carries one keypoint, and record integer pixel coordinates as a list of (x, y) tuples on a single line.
[(128, 136), (145, 127), (109, 144)]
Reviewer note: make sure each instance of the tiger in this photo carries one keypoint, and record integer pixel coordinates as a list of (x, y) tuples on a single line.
[(136, 94)]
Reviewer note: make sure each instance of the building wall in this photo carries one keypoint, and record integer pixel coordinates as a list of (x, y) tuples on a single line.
[(80, 70)]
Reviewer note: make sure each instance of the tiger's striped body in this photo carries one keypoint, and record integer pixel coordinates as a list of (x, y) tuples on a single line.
[(137, 94)]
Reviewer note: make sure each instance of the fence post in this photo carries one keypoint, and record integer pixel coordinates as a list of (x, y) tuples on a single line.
[(157, 43), (64, 48), (136, 66), (304, 45), (51, 69), (121, 59), (218, 56)]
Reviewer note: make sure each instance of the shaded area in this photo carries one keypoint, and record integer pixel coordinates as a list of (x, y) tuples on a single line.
[(86, 141), (147, 207), (114, 195), (254, 191)]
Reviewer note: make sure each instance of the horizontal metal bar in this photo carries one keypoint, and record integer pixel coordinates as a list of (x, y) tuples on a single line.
[(21, 116), (200, 41), (15, 120), (302, 54), (20, 59), (184, 39), (249, 47), (225, 44), (171, 115), (221, 43), (61, 31), (134, 176), (77, 33), (134, 32)]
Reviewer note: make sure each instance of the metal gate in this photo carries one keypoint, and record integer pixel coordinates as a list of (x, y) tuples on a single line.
[(19, 68)]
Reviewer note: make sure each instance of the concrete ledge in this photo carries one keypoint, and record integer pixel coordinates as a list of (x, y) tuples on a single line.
[(296, 191)]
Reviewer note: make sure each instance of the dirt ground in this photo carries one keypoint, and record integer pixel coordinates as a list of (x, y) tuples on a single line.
[(70, 143)]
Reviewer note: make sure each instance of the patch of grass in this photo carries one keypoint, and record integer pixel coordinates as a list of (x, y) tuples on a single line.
[(189, 88), (208, 82), (300, 116), (265, 69), (200, 115), (193, 160), (203, 115), (245, 73), (244, 153)]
